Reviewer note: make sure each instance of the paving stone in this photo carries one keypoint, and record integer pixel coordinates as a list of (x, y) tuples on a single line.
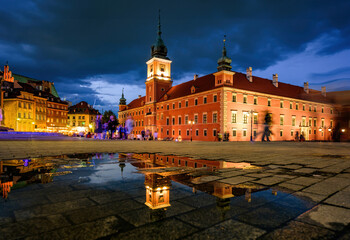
[(314, 197), (61, 197), (231, 174), (290, 186), (269, 181), (95, 212), (146, 215), (199, 200), (32, 227), (258, 175), (341, 198), (208, 216), (327, 216), (94, 230), (54, 208), (109, 197), (207, 179), (168, 229), (292, 166), (306, 170), (297, 230), (237, 180), (304, 181), (328, 186), (229, 229)]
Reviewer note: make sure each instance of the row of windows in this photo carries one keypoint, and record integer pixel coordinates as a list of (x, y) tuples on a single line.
[(40, 117), (81, 117), (255, 102), (304, 123), (25, 105), (57, 106), (57, 120), (187, 121)]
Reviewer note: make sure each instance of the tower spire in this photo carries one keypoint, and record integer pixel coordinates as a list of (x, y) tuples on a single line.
[(122, 100), (159, 49), (159, 25), (224, 63)]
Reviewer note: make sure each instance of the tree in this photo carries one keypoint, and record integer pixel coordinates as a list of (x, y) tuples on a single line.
[(107, 115)]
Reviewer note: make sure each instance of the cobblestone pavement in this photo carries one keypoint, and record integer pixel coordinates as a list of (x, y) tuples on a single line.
[(318, 174)]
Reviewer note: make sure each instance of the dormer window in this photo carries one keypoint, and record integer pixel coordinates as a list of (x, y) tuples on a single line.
[(193, 89)]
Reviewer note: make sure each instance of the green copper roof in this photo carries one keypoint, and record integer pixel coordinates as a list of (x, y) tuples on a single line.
[(24, 79)]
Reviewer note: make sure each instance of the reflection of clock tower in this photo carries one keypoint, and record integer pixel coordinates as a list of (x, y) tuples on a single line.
[(158, 80)]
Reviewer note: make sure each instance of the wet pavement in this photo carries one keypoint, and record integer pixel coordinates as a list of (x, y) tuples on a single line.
[(154, 196)]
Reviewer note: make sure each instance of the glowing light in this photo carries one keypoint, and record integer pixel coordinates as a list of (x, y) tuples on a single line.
[(343, 130), (158, 189), (18, 119), (164, 188)]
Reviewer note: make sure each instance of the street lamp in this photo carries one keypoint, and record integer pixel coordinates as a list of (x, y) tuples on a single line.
[(191, 122), (251, 112)]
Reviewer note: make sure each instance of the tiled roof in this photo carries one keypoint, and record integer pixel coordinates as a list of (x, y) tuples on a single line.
[(136, 103), (82, 107), (260, 85)]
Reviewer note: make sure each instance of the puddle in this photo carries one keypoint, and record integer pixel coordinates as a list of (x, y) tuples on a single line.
[(152, 187)]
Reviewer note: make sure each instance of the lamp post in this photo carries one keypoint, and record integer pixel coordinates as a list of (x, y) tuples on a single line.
[(191, 122), (251, 112)]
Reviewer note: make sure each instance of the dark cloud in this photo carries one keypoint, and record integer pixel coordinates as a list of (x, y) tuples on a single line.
[(67, 39)]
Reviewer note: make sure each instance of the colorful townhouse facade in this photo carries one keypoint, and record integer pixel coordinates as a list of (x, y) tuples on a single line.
[(82, 118), (226, 101), (31, 105)]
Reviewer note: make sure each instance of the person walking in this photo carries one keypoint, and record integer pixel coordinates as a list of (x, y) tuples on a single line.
[(267, 124), (112, 124), (98, 126)]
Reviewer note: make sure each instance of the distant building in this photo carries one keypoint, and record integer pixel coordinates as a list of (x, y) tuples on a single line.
[(31, 105), (226, 101), (82, 117)]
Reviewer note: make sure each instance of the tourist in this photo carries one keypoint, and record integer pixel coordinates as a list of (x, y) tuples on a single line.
[(267, 124), (143, 134), (129, 124), (98, 126), (155, 135), (297, 136), (112, 124)]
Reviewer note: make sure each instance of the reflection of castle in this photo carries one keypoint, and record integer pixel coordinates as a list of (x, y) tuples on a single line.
[(157, 191), (158, 181)]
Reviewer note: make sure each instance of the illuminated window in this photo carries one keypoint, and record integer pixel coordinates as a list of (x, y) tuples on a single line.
[(281, 104), (297, 106), (19, 115), (315, 109), (196, 118), (215, 117), (281, 120), (310, 122), (303, 107), (245, 117), (244, 132), (315, 122), (234, 97), (234, 116), (292, 133), (304, 121), (322, 122), (293, 120), (290, 105), (254, 132), (255, 118), (310, 108), (234, 132)]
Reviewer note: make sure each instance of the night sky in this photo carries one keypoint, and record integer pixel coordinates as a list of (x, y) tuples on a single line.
[(92, 49)]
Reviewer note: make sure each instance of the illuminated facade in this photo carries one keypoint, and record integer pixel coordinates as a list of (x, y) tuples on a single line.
[(82, 117), (226, 102), (32, 105)]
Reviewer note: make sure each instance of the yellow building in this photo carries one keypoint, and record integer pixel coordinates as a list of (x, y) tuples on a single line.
[(31, 105), (81, 118)]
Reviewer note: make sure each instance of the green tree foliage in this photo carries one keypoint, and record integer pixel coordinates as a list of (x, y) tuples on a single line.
[(107, 115)]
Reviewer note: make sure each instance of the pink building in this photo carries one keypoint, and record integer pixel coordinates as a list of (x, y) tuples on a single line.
[(226, 102)]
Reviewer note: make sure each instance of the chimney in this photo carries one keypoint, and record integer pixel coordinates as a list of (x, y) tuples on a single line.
[(275, 80), (306, 87), (323, 91), (139, 96), (250, 74), (195, 77)]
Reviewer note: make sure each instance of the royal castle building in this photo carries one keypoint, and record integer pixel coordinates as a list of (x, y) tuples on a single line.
[(226, 101)]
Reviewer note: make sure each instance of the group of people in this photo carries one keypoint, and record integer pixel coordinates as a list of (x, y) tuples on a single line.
[(111, 129)]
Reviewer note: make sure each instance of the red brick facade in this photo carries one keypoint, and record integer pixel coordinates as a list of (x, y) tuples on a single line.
[(227, 102)]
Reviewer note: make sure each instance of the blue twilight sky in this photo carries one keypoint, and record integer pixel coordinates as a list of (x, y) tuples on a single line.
[(92, 49)]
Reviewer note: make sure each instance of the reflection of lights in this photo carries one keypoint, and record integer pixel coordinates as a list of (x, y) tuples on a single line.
[(158, 189), (147, 187), (343, 130)]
